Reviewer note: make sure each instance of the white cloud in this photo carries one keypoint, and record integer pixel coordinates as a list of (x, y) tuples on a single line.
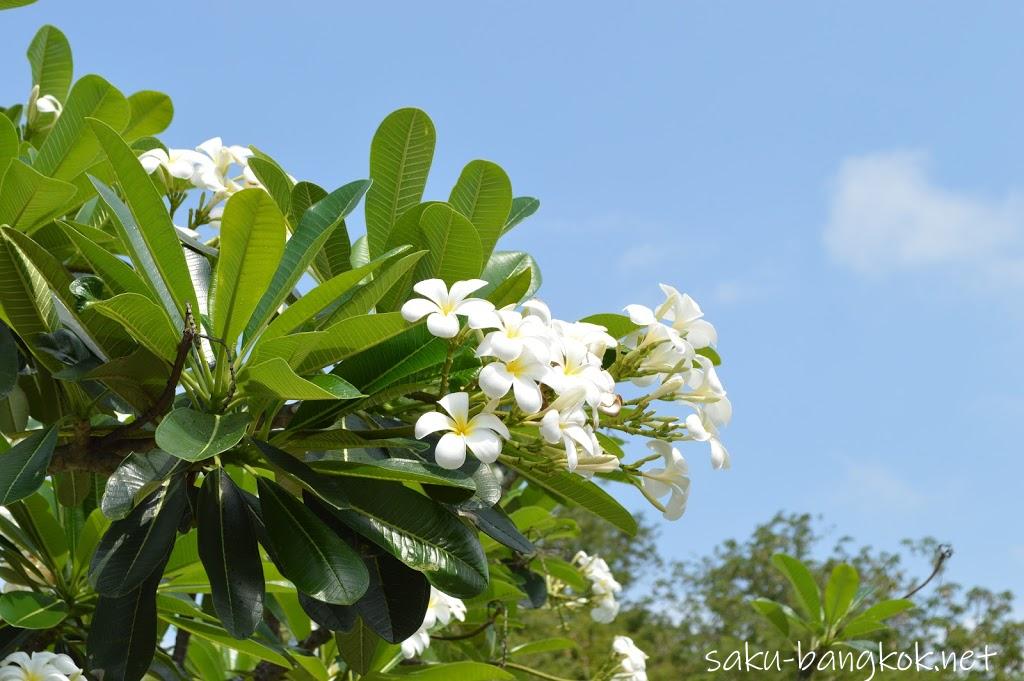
[(888, 215)]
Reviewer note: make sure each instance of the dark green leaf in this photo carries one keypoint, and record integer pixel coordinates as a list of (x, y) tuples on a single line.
[(23, 466), (357, 647), (328, 615), (227, 547), (324, 487), (574, 490), (193, 436), (8, 361), (122, 634)]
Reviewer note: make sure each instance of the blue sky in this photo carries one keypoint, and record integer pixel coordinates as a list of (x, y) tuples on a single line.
[(837, 183)]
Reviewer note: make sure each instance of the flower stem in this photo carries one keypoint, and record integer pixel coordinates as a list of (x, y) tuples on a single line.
[(447, 369)]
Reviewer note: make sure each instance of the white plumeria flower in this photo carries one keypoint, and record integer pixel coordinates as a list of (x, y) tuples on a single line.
[(602, 463), (442, 306), (40, 666), (441, 609), (702, 428), (183, 164), (568, 425), (603, 585), (634, 661), (592, 336), (49, 104), (685, 315), (215, 176), (539, 309), (574, 366), (515, 333), (482, 433), (673, 478), (522, 375)]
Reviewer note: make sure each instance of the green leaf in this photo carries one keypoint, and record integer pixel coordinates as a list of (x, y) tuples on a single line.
[(10, 143), (449, 671), (133, 548), (346, 338), (618, 325), (29, 198), (310, 554), (492, 521), (151, 113), (341, 439), (323, 487), (23, 466), (419, 532), (272, 176), (306, 307), (316, 225), (145, 226), (252, 238), (807, 594), (49, 54), (883, 610), (145, 320), (576, 491), (505, 265), (522, 208), (455, 252), (26, 305), (194, 435), (545, 645), (774, 613), (840, 592), (11, 4), (228, 549), (71, 146), (275, 378), (358, 647), (219, 636), (8, 361), (122, 633), (116, 273), (483, 193), (364, 300), (359, 465), (400, 158), (32, 610), (304, 195)]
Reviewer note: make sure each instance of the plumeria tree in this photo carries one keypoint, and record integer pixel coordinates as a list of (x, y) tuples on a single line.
[(239, 442)]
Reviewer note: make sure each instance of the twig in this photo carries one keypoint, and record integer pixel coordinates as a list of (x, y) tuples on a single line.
[(943, 553)]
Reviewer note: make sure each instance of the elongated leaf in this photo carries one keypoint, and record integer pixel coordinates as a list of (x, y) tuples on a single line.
[(310, 554), (227, 546), (618, 325), (576, 491), (137, 476), (133, 548), (505, 265), (341, 439), (358, 647), (276, 181), (145, 320), (9, 140), (840, 592), (348, 337), (328, 615), (26, 305), (364, 300), (806, 590), (483, 193), (122, 634), (252, 237), (151, 113), (71, 146), (8, 361), (314, 228), (275, 378), (774, 613), (219, 636), (419, 532), (322, 486), (304, 195), (28, 198), (455, 249), (23, 466), (116, 273), (879, 612), (194, 436), (32, 610), (50, 56), (306, 307), (522, 208), (493, 522), (145, 225), (400, 157), (450, 671), (406, 470)]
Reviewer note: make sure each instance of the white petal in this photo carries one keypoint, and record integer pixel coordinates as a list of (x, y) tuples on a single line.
[(491, 422), (461, 289), (431, 422), (505, 348), (656, 488), (719, 455), (641, 314), (211, 147), (495, 380), (450, 452), (484, 444), (474, 307), (696, 428), (443, 325), (417, 308), (433, 289), (550, 428), (457, 405), (482, 319), (528, 395)]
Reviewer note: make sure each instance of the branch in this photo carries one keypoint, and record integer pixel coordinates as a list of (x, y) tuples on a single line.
[(943, 553)]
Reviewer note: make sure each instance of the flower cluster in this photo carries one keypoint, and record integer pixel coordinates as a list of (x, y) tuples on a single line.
[(441, 610), (210, 166), (633, 665), (603, 586), (560, 378), (40, 666)]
